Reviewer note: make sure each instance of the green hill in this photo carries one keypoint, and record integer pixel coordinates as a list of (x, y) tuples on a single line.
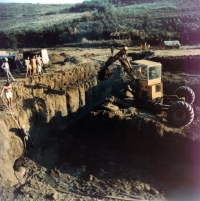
[(38, 25)]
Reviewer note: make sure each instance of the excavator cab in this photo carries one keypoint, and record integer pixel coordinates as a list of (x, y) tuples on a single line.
[(148, 79)]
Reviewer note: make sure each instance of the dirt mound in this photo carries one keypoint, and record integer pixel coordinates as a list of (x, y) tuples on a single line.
[(65, 55), (74, 59), (88, 55), (56, 58)]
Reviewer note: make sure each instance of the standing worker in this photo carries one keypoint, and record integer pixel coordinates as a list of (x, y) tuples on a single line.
[(112, 50), (28, 65), (26, 138), (42, 70), (33, 64), (145, 45), (39, 64), (6, 68), (7, 88)]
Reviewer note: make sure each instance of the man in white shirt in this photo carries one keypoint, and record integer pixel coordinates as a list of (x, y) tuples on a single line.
[(6, 68)]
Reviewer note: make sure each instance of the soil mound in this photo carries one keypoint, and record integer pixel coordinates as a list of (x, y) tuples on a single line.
[(65, 55), (56, 58), (74, 59)]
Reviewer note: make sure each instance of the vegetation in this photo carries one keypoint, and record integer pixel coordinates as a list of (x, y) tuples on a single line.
[(37, 25)]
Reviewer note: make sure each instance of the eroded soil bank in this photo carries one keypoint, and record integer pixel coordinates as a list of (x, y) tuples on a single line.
[(124, 155)]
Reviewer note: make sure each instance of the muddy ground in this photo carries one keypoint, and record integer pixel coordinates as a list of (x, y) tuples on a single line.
[(115, 155)]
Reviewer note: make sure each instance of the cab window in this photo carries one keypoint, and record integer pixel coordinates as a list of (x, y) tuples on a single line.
[(154, 72)]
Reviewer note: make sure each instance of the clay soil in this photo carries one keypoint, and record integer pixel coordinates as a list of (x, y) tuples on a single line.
[(95, 159)]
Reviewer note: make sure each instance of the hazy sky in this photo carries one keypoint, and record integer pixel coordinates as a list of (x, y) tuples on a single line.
[(41, 1)]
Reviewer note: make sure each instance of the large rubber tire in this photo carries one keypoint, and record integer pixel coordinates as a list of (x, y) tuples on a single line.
[(180, 114), (187, 93)]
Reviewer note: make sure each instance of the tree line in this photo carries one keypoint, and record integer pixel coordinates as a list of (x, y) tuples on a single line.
[(104, 20)]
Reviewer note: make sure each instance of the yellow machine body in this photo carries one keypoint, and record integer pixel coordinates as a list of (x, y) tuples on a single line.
[(149, 83)]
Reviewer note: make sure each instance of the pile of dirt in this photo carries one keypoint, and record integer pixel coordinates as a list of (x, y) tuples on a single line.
[(74, 60), (65, 55), (56, 58)]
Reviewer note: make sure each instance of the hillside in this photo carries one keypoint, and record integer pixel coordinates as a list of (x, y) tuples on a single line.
[(33, 25)]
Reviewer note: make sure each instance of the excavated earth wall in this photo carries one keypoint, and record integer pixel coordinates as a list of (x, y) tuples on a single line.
[(47, 104)]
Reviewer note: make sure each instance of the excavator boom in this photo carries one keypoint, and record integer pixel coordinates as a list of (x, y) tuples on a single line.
[(105, 72)]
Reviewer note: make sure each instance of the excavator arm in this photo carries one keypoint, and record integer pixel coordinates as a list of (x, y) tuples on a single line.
[(105, 72)]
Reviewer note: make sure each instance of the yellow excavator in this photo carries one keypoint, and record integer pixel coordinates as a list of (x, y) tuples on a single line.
[(147, 89)]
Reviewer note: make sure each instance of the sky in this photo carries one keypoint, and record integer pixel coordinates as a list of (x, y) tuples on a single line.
[(42, 1)]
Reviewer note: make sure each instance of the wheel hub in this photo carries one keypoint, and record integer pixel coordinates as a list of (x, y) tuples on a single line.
[(180, 115)]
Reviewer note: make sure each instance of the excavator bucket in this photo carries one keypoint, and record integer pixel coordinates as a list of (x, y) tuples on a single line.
[(105, 74)]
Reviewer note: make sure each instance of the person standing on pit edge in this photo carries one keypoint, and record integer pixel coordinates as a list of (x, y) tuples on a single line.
[(28, 65), (42, 70), (112, 50), (6, 68), (39, 64), (7, 88), (33, 64)]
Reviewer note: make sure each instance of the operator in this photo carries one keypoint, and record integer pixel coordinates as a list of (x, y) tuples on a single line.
[(153, 74)]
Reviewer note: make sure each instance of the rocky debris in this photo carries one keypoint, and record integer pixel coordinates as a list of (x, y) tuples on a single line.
[(20, 173)]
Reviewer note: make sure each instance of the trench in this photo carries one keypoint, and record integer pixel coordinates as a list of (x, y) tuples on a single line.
[(93, 153)]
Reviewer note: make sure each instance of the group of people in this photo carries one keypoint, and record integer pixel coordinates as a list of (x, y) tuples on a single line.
[(145, 46), (34, 65)]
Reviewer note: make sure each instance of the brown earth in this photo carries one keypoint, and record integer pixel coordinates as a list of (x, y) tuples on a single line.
[(130, 154)]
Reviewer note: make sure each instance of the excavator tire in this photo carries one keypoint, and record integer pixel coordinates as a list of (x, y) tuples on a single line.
[(185, 92), (180, 114)]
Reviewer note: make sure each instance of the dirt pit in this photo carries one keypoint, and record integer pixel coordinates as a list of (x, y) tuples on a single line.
[(115, 156)]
